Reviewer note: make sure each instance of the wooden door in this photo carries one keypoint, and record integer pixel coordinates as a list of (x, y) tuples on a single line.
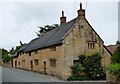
[(44, 67), (31, 62)]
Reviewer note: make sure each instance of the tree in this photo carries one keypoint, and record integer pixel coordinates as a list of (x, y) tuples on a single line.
[(5, 56), (114, 69), (116, 56), (46, 28), (16, 49), (117, 42)]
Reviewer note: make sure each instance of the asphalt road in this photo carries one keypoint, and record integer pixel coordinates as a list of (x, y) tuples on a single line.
[(17, 75), (13, 76)]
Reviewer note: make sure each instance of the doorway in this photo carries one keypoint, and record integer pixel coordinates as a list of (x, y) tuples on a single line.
[(44, 67), (12, 63), (31, 63)]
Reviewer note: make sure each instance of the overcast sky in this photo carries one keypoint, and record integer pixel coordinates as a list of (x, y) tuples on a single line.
[(19, 20)]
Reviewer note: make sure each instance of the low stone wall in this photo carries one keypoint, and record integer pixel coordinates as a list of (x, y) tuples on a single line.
[(112, 79), (7, 64)]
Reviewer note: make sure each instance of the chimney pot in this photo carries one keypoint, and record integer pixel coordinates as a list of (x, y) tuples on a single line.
[(80, 5), (62, 13), (81, 12), (62, 19)]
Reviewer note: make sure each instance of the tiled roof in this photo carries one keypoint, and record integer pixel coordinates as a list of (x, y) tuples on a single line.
[(52, 37), (14, 55), (112, 48)]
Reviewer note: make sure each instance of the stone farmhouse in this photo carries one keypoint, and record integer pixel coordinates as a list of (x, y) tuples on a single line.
[(55, 51)]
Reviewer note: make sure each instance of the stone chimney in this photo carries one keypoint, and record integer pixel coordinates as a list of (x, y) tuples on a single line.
[(62, 19), (81, 12)]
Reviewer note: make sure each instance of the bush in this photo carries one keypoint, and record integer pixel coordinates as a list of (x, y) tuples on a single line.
[(7, 58), (77, 78), (76, 69), (91, 66), (115, 70), (116, 56)]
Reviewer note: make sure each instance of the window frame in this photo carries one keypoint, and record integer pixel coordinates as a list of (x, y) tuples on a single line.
[(36, 62), (29, 53), (53, 48), (36, 52), (53, 62), (91, 45)]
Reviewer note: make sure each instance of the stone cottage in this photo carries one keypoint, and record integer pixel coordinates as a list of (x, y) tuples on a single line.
[(56, 50)]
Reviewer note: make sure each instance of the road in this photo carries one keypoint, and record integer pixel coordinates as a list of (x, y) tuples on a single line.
[(17, 75)]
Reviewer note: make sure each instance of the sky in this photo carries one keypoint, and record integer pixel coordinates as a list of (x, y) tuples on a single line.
[(20, 20)]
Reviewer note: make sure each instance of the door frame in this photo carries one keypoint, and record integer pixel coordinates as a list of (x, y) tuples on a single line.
[(31, 65), (44, 65)]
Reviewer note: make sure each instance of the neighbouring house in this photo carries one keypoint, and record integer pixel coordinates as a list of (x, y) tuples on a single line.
[(55, 51), (112, 48)]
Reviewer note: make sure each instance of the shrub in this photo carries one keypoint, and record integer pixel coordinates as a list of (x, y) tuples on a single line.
[(76, 69), (115, 70), (91, 66), (77, 78), (7, 58), (116, 56)]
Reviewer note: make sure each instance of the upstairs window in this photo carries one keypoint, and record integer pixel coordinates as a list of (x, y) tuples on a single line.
[(36, 61), (36, 51), (53, 48), (90, 45), (19, 53), (53, 62), (29, 53)]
